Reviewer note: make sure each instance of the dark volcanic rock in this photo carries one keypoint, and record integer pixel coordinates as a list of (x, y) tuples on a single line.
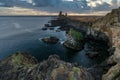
[(52, 40), (22, 66)]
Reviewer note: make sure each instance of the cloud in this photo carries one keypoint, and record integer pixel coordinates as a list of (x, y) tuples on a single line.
[(99, 5), (78, 6), (47, 2), (75, 6), (114, 3), (102, 7)]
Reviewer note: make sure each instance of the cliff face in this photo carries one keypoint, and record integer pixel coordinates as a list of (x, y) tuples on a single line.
[(21, 66), (110, 25)]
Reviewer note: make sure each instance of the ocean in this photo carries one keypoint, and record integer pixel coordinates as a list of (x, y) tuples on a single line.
[(24, 34)]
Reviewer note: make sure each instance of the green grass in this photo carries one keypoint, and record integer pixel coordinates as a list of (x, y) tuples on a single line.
[(77, 35)]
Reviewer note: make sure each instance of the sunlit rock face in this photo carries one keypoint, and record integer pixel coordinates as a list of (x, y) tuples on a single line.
[(22, 66), (113, 73)]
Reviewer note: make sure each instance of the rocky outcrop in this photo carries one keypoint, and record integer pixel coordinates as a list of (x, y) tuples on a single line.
[(21, 66), (52, 40), (75, 47), (74, 40)]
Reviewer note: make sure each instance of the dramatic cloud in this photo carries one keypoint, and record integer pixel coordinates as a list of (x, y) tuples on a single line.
[(114, 3), (102, 7)]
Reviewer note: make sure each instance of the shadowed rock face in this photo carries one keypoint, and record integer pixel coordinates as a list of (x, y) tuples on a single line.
[(21, 66)]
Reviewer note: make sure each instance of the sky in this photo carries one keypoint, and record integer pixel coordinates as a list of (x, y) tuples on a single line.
[(94, 4), (71, 6), (77, 6)]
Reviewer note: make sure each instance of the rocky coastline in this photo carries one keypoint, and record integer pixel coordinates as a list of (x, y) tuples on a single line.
[(110, 25), (21, 67), (105, 29)]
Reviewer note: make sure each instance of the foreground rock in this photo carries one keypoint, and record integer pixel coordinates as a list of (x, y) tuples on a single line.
[(22, 66), (52, 40)]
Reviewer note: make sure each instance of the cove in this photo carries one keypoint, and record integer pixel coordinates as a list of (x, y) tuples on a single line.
[(24, 34)]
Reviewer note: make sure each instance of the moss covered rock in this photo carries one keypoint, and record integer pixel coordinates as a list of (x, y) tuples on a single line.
[(74, 40)]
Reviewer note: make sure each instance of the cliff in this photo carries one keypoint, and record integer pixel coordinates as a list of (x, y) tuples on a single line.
[(22, 66), (110, 25)]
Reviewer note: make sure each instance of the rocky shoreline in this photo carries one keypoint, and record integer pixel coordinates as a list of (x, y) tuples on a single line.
[(21, 67)]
